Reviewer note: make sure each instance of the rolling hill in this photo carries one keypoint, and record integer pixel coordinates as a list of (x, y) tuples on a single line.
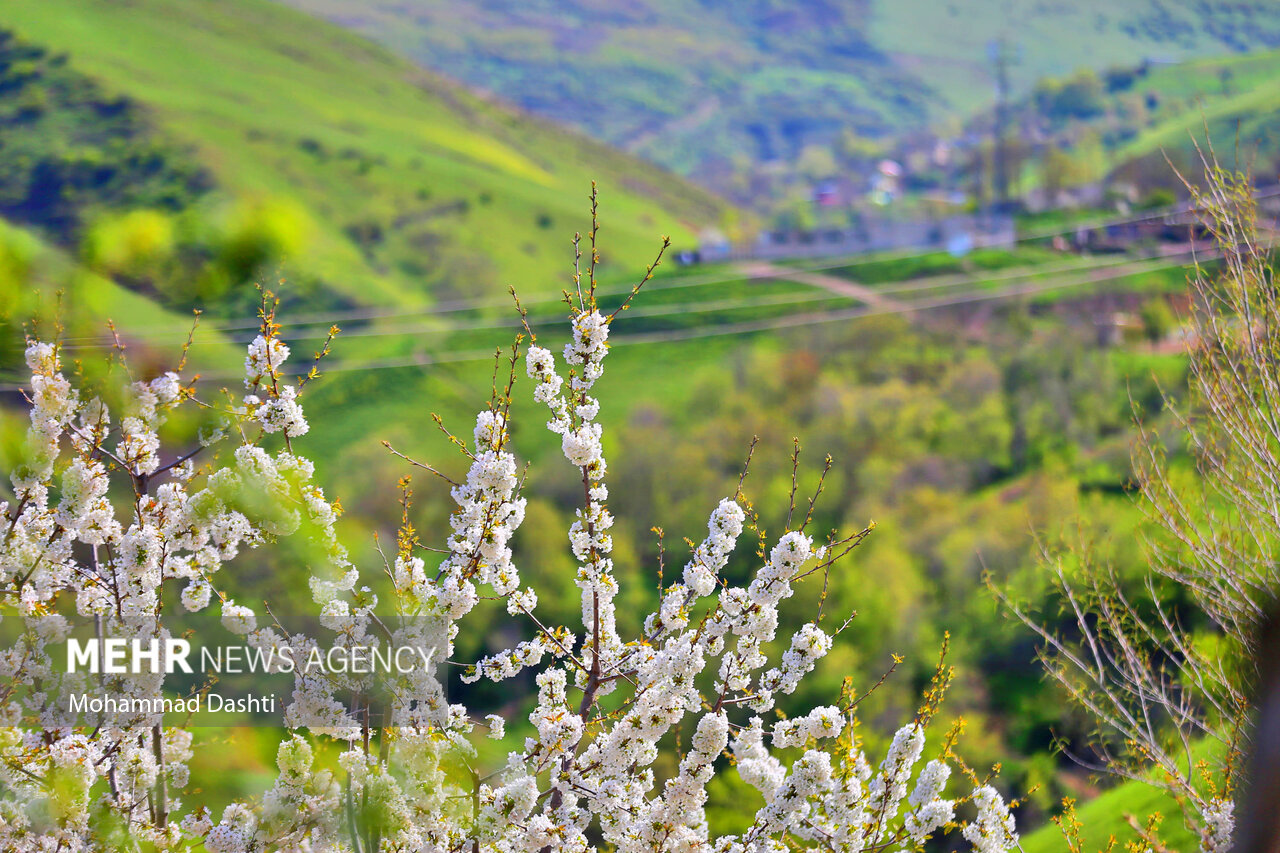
[(400, 193), (1126, 126), (404, 188), (694, 85), (1237, 98)]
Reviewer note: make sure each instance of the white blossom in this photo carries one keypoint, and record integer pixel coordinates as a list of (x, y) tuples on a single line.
[(1220, 823), (992, 831), (238, 619), (708, 660)]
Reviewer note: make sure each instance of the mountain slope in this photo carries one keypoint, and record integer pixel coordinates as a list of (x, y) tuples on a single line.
[(411, 188), (693, 84), (687, 84), (1236, 98), (1126, 126)]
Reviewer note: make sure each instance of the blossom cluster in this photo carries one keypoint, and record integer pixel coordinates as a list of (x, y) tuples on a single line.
[(587, 774), (102, 524), (703, 654), (1220, 823)]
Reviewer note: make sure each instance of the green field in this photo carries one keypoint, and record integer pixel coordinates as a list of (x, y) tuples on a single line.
[(948, 46), (1235, 97), (1107, 817)]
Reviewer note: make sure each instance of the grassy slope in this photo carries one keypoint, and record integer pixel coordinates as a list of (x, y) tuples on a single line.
[(1162, 109), (687, 83), (87, 300), (1250, 102), (946, 42), (1236, 98), (468, 195), (1107, 815)]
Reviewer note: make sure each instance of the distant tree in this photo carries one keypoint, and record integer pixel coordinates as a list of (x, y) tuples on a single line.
[(1057, 171), (796, 214), (1120, 79), (1081, 96), (1158, 319)]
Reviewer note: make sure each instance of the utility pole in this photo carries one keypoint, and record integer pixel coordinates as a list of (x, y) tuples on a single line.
[(1001, 57)]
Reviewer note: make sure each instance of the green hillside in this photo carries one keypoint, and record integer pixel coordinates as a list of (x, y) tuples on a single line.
[(1127, 124), (1237, 98), (1107, 816), (690, 85), (695, 85), (948, 47), (401, 188)]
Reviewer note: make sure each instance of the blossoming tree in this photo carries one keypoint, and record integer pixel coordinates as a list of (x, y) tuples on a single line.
[(103, 521)]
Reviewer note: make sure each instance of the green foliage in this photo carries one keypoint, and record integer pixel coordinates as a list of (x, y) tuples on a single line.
[(1058, 170), (41, 286), (130, 243), (1130, 123), (206, 256), (71, 150), (1158, 319), (1080, 96)]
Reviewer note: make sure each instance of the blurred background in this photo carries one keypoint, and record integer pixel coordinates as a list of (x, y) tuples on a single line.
[(944, 242)]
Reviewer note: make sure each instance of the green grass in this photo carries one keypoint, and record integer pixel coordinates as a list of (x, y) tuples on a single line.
[(37, 281), (1249, 105), (895, 269), (1235, 98), (468, 197), (1200, 77), (687, 85), (1107, 815)]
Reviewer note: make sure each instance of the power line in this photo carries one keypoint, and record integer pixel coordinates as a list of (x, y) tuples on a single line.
[(797, 320), (479, 325), (730, 304), (792, 320), (676, 282)]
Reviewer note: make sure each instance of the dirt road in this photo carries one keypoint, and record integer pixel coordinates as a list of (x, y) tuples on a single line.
[(840, 286)]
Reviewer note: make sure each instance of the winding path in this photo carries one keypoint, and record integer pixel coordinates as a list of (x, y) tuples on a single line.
[(868, 296)]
